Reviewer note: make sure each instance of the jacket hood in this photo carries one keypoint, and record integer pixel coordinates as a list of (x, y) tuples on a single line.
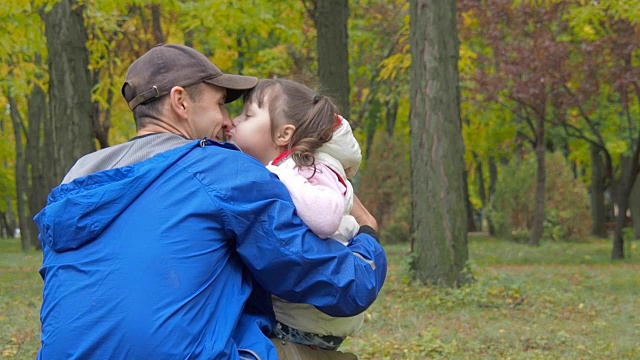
[(77, 212), (344, 147)]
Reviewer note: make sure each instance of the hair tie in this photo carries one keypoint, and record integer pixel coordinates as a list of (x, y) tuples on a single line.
[(316, 99)]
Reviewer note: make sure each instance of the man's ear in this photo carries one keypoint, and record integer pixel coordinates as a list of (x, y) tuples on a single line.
[(178, 99), (284, 134)]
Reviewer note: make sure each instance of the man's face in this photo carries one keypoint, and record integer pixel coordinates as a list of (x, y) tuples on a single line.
[(208, 117)]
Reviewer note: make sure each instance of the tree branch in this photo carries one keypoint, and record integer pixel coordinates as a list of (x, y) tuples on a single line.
[(579, 134), (583, 113), (311, 10), (15, 113), (523, 118)]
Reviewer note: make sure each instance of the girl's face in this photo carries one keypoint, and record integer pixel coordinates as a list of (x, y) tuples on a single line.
[(252, 133)]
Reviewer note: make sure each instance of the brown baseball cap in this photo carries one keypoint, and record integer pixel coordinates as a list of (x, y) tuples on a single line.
[(167, 65)]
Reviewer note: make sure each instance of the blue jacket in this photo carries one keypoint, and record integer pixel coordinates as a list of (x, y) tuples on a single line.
[(175, 256)]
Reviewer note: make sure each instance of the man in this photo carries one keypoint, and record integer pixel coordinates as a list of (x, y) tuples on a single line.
[(166, 248)]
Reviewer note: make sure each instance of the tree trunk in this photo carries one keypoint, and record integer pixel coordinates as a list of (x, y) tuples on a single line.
[(538, 212), (101, 123), (493, 180), (391, 115), (628, 174), (634, 205), (370, 134), (21, 176), (622, 200), (69, 128), (481, 191), (439, 237), (38, 190), (371, 126), (188, 38), (156, 24), (598, 209), (6, 231), (333, 51), (240, 61), (6, 223), (480, 176), (471, 224), (11, 218)]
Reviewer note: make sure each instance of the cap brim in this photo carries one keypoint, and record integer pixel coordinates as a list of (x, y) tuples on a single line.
[(236, 85)]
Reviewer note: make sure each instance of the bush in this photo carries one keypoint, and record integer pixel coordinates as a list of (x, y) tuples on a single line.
[(511, 208), (567, 205), (567, 214)]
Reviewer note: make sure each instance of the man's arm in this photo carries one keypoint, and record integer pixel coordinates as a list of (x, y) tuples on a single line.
[(362, 215), (289, 261)]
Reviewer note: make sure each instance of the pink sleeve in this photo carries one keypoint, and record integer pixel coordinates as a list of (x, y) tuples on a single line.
[(319, 199)]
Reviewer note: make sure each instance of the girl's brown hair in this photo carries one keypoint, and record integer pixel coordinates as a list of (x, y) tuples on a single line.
[(290, 102)]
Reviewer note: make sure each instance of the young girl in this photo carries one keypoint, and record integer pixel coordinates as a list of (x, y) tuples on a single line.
[(298, 136)]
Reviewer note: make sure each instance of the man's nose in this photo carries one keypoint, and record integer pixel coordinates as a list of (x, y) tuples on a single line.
[(226, 119)]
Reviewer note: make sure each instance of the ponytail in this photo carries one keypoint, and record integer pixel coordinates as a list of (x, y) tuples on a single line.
[(315, 129)]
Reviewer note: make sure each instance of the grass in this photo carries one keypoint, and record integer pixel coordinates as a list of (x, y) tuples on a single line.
[(556, 301), (20, 296)]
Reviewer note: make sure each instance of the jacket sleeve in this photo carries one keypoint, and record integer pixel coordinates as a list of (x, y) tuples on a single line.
[(290, 261)]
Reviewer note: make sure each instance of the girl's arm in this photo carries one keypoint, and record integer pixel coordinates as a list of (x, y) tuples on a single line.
[(318, 197)]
